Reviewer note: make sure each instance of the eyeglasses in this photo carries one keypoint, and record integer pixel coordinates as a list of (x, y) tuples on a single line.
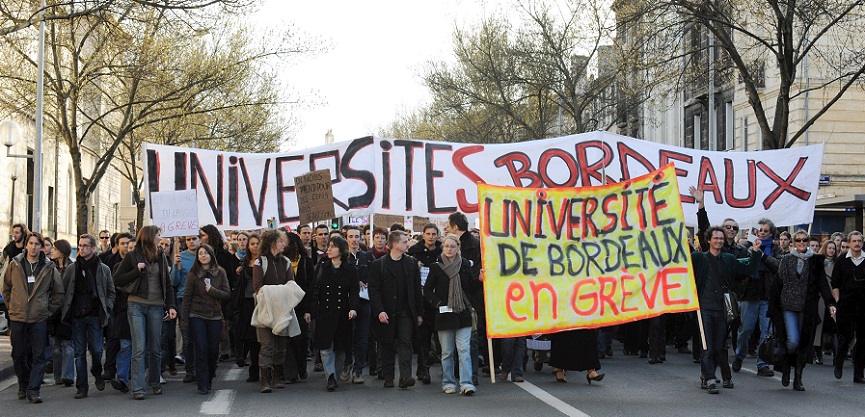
[(800, 240), (731, 227)]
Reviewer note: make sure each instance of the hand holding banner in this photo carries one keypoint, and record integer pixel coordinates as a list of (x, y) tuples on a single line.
[(565, 258)]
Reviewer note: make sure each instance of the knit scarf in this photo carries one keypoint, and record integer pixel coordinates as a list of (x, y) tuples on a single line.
[(766, 245), (801, 258), (451, 267)]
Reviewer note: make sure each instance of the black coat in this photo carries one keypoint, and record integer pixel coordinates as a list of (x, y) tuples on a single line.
[(436, 293), (425, 255), (304, 277), (334, 294), (849, 280), (241, 308), (470, 248), (386, 278), (817, 287)]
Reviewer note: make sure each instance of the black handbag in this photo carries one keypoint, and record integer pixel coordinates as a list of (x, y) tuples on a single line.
[(773, 350), (731, 305)]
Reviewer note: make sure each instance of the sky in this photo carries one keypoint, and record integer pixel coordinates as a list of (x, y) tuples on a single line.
[(371, 71)]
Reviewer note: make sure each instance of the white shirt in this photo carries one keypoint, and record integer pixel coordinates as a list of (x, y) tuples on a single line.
[(857, 260)]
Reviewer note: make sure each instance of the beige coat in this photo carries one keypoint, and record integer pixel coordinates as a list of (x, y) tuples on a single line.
[(46, 298)]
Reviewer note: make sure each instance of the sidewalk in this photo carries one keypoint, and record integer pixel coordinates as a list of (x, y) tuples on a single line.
[(6, 369)]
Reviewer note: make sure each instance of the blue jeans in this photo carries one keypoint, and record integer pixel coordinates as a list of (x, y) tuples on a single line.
[(751, 312), (459, 340), (715, 326), (328, 360), (145, 325), (87, 335), (513, 351), (205, 336), (29, 342), (124, 361), (793, 324), (64, 360)]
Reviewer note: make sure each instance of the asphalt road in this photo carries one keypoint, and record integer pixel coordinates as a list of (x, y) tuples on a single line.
[(632, 387)]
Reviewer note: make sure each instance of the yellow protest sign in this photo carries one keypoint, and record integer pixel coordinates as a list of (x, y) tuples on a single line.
[(567, 258)]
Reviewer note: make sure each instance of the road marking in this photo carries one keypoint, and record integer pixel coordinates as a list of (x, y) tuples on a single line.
[(8, 383), (232, 374), (220, 403), (550, 400)]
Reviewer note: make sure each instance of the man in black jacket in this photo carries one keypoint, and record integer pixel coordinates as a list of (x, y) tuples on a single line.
[(753, 291), (397, 305), (427, 253), (848, 287), (355, 359), (87, 304), (715, 272)]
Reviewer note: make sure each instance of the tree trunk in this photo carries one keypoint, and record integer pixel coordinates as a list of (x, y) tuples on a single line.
[(139, 217), (82, 217)]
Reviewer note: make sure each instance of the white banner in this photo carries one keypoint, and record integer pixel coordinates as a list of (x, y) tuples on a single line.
[(420, 178)]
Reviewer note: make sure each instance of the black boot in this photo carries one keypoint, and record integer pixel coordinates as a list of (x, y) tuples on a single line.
[(277, 376), (797, 378), (785, 370), (253, 374)]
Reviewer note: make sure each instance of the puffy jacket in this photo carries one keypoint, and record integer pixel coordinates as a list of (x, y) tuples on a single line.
[(45, 299)]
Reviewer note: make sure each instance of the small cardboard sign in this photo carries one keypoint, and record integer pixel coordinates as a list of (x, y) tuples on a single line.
[(419, 222), (314, 196), (387, 220), (175, 212)]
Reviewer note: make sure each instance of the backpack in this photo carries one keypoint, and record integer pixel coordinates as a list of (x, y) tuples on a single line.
[(263, 262)]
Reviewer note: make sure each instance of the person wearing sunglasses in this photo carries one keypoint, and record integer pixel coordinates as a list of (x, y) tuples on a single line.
[(793, 303)]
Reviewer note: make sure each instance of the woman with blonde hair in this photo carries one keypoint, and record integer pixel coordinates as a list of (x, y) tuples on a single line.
[(800, 282), (448, 284)]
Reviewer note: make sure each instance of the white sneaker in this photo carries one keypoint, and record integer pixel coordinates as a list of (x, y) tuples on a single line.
[(468, 391), (450, 390), (161, 380)]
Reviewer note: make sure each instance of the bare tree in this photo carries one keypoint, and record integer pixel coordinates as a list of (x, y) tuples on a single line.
[(16, 15), (520, 81), (764, 44), (111, 75)]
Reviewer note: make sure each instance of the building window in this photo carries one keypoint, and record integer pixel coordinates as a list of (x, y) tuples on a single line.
[(745, 133), (729, 126), (698, 126)]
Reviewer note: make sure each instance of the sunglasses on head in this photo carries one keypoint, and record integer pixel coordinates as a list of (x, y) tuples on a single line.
[(731, 227)]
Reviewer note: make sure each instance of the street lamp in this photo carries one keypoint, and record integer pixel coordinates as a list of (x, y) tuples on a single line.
[(11, 134), (13, 172)]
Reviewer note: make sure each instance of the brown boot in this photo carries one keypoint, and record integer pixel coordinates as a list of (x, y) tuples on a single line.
[(277, 376), (266, 373)]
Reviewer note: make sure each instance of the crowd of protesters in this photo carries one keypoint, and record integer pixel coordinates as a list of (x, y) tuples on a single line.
[(368, 299)]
